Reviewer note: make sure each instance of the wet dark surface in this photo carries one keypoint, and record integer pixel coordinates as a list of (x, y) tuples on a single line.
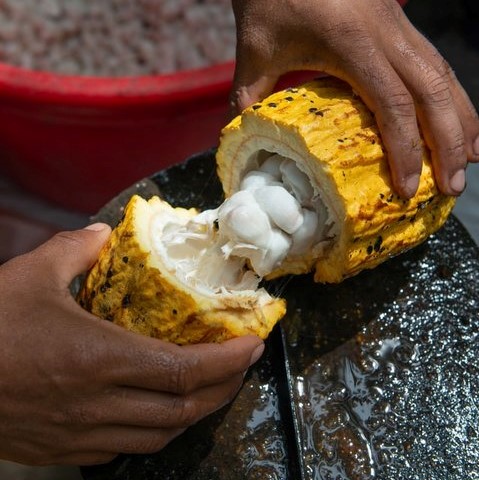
[(400, 398), (374, 378)]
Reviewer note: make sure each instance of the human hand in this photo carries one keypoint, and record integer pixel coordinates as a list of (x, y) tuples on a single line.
[(372, 45), (79, 390)]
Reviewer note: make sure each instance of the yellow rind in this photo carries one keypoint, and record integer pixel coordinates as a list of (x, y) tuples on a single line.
[(333, 135), (129, 287)]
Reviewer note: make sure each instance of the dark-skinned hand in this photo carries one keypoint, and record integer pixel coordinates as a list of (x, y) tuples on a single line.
[(75, 389), (372, 45)]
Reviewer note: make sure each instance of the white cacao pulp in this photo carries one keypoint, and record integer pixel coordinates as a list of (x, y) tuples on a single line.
[(276, 214)]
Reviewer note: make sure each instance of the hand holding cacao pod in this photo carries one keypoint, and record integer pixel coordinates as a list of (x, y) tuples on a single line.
[(372, 45), (79, 390), (307, 187)]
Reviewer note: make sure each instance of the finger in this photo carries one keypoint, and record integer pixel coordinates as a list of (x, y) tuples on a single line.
[(250, 84), (438, 116), (246, 93), (71, 253), (59, 453), (469, 120), (467, 113), (126, 406), (144, 362), (84, 458), (388, 98), (114, 440)]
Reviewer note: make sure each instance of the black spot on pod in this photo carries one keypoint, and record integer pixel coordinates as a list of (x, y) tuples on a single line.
[(377, 243), (125, 301)]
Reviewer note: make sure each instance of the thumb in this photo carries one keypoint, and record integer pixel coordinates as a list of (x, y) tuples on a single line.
[(249, 87), (70, 253)]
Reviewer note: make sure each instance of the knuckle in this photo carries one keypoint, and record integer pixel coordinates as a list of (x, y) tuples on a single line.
[(387, 11), (396, 12), (343, 34), (437, 92), (184, 375), (77, 415), (442, 65), (186, 412), (86, 359), (456, 151), (68, 237), (351, 29), (400, 105), (414, 149)]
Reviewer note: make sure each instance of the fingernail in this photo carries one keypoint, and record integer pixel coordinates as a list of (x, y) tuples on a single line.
[(411, 185), (258, 351), (458, 181), (96, 227), (475, 146)]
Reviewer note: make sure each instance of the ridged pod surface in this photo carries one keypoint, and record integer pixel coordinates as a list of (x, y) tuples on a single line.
[(131, 286), (333, 137)]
